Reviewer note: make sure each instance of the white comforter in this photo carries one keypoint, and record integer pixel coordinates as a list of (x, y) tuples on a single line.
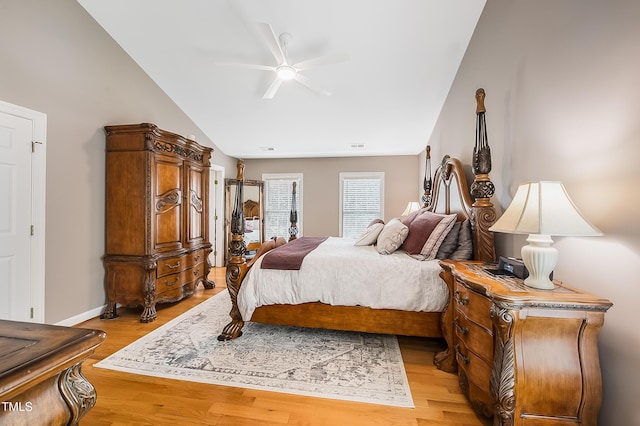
[(339, 273)]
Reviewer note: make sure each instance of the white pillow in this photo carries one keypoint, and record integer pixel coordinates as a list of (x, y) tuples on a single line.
[(392, 236), (370, 235)]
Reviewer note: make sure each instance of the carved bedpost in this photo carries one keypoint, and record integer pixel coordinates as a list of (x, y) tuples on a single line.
[(482, 188), (427, 183), (237, 264), (293, 216)]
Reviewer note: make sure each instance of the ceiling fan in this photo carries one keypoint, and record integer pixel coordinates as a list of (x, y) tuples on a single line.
[(284, 69)]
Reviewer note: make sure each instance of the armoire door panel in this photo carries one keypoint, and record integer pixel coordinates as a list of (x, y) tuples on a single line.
[(125, 233), (168, 203), (196, 223)]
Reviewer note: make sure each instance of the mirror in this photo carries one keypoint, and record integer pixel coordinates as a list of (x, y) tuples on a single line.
[(253, 214)]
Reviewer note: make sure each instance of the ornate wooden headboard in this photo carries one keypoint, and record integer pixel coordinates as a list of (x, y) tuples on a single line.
[(450, 194)]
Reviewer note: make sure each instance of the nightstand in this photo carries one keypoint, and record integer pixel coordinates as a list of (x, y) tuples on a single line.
[(524, 356)]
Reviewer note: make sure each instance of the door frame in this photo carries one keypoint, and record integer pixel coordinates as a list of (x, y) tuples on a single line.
[(38, 193), (216, 234)]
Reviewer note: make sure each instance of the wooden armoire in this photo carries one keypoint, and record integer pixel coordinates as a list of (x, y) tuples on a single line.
[(157, 220)]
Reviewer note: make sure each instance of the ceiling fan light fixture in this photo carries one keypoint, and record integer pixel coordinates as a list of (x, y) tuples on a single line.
[(286, 72)]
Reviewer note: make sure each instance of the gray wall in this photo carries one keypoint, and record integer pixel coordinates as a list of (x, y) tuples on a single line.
[(563, 83), (55, 59), (321, 185)]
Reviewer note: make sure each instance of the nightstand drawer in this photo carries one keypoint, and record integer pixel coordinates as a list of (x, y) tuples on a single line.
[(474, 337), (474, 306), (477, 370)]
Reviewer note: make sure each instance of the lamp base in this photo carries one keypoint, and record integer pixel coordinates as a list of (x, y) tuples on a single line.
[(540, 258)]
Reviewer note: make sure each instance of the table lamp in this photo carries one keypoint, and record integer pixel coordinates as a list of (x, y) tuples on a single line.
[(542, 209), (412, 206)]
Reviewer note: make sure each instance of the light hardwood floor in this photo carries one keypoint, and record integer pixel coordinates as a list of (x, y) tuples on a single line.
[(129, 399)]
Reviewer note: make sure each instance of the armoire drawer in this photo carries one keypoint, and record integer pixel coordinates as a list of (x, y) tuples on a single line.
[(179, 279), (174, 265)]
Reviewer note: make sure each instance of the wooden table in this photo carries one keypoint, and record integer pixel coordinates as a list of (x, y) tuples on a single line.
[(40, 373)]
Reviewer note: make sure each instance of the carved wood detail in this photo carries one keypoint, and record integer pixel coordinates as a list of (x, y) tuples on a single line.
[(78, 393), (503, 382)]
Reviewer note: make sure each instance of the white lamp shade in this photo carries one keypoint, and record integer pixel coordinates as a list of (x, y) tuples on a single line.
[(543, 208), (413, 206)]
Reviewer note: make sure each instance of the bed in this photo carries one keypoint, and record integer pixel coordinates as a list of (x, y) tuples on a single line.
[(447, 194)]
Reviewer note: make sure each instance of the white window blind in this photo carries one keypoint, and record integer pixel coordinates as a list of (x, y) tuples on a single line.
[(277, 209), (361, 201)]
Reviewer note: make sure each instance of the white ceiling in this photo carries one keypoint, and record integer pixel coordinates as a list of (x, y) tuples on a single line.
[(403, 57)]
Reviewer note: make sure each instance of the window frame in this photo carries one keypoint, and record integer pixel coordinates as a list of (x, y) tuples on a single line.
[(359, 175), (299, 199)]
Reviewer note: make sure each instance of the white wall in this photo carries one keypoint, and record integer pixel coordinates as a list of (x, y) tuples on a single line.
[(55, 59), (563, 82)]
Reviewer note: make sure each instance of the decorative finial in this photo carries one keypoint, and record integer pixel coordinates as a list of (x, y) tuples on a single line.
[(480, 101), (240, 167)]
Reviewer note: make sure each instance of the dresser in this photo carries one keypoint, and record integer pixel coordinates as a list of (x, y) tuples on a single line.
[(525, 356), (157, 218), (41, 381)]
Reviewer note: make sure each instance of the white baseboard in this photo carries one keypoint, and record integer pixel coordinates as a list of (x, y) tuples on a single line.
[(70, 322)]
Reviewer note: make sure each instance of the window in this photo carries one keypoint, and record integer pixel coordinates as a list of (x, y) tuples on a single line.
[(361, 201), (277, 205)]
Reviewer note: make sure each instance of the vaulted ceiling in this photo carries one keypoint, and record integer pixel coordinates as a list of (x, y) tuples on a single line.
[(398, 61)]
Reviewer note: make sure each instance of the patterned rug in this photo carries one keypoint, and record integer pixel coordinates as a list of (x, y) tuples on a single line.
[(322, 363)]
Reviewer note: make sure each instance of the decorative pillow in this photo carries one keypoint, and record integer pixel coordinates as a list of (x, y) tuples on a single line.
[(464, 250), (426, 233), (370, 235), (450, 242), (374, 221), (411, 216), (392, 236)]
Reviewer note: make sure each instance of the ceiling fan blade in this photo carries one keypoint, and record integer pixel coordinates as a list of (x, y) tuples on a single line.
[(271, 91), (306, 82), (248, 66), (321, 60), (272, 42)]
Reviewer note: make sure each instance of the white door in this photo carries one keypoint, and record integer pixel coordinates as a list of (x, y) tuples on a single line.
[(21, 283)]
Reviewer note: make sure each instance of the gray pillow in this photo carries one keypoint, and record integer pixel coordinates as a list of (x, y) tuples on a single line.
[(464, 249), (450, 242)]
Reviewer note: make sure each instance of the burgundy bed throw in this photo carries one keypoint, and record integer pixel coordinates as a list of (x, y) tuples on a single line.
[(290, 256)]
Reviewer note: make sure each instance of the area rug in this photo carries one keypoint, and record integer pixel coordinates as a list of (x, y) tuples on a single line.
[(331, 364)]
